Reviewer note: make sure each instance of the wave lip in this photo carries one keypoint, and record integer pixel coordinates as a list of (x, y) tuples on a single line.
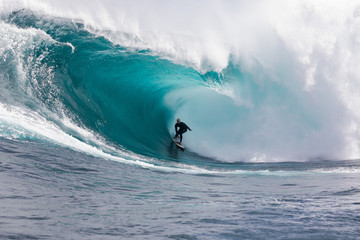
[(278, 103)]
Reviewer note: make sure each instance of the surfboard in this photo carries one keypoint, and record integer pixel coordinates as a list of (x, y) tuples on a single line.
[(178, 144)]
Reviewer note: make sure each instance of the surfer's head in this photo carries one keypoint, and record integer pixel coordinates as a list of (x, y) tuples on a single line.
[(178, 120)]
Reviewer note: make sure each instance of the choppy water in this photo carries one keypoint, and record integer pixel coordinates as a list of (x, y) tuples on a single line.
[(51, 192)]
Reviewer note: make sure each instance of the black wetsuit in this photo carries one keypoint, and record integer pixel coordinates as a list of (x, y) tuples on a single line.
[(182, 129)]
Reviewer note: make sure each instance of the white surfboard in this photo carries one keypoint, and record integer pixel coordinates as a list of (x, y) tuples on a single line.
[(178, 143)]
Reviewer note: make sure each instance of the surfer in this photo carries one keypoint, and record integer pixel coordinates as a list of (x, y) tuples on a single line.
[(182, 129)]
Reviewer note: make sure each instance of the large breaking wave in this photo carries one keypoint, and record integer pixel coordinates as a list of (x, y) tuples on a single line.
[(282, 88)]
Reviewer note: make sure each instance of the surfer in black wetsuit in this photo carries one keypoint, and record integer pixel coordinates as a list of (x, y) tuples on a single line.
[(182, 129)]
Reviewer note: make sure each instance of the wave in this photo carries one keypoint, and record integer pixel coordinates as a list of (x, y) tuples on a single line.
[(116, 81)]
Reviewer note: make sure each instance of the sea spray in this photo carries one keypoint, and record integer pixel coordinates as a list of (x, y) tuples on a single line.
[(254, 84)]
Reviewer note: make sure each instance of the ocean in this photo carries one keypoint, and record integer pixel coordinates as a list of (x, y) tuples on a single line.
[(91, 90)]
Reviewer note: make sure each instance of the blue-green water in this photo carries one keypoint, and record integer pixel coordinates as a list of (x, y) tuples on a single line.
[(86, 120)]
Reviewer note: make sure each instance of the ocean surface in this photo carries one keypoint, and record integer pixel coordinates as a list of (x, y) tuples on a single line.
[(90, 92)]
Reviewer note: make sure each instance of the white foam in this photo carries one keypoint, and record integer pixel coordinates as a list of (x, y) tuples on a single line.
[(340, 170), (311, 48), (20, 123), (16, 122)]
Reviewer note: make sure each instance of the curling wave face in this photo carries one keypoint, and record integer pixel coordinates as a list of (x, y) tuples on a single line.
[(102, 86)]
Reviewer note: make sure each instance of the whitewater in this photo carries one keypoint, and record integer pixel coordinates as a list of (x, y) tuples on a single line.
[(91, 90)]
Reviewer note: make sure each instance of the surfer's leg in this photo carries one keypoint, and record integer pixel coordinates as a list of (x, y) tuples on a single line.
[(181, 133)]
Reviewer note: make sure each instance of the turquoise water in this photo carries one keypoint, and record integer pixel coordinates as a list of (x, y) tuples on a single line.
[(86, 122)]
